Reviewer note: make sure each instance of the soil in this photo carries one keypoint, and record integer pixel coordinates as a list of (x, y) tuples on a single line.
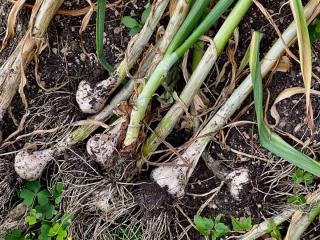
[(63, 64)]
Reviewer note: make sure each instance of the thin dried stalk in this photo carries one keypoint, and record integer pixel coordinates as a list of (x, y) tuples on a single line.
[(12, 19), (12, 71), (305, 52)]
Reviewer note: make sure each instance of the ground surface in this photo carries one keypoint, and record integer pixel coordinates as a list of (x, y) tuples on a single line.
[(63, 64)]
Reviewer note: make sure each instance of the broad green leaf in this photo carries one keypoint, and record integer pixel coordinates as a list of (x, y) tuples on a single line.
[(269, 139), (31, 220), (220, 230), (298, 176), (62, 234), (27, 196), (58, 187), (314, 31), (48, 211), (43, 197), (34, 186), (308, 178), (58, 199), (129, 22), (242, 224), (204, 225), (297, 199), (36, 214), (14, 235), (44, 231), (218, 219), (53, 231), (58, 193), (134, 31), (145, 14)]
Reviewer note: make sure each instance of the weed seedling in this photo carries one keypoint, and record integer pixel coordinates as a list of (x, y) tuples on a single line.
[(241, 224), (208, 227), (274, 230), (136, 25), (43, 221), (301, 176)]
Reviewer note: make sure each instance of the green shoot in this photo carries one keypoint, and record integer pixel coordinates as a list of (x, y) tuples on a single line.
[(268, 139), (241, 224), (208, 227), (43, 220), (297, 199), (300, 176), (99, 36), (134, 25), (314, 31), (274, 230)]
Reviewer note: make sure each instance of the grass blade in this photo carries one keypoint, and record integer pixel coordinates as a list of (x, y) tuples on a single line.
[(268, 139), (99, 36), (304, 50)]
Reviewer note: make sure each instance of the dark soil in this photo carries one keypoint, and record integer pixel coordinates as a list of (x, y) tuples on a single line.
[(64, 63)]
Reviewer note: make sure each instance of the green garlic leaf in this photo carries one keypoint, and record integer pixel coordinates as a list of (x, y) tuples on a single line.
[(27, 196), (145, 14), (129, 22), (204, 225)]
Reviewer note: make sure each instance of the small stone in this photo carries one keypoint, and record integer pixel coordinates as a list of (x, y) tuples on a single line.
[(117, 30), (54, 50), (82, 57)]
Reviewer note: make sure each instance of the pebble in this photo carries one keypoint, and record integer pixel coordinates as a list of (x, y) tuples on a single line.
[(117, 30)]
